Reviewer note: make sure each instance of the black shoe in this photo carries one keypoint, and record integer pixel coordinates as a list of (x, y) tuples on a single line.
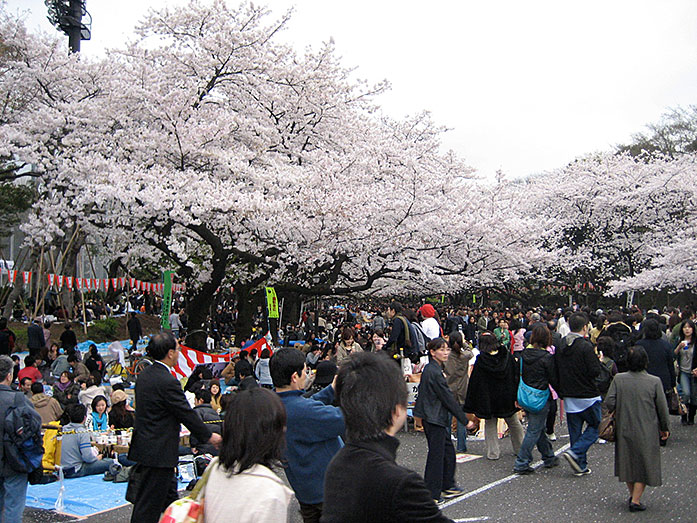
[(636, 507), (553, 463), (524, 472)]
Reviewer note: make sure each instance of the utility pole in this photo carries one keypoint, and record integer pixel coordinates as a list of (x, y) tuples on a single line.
[(67, 15)]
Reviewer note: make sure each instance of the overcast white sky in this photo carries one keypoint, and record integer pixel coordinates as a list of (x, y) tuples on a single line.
[(525, 86)]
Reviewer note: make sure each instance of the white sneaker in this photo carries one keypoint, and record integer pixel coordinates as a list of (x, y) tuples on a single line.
[(552, 437), (601, 441)]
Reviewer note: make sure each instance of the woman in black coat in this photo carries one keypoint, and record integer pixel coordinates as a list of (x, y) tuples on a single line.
[(436, 405), (660, 355), (492, 393)]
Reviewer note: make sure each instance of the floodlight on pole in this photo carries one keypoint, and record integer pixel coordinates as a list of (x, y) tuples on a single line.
[(67, 15)]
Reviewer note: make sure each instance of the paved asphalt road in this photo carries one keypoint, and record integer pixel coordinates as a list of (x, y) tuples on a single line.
[(549, 495)]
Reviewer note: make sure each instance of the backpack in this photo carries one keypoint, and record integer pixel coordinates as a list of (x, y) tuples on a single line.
[(22, 443), (603, 380), (623, 338), (420, 339)]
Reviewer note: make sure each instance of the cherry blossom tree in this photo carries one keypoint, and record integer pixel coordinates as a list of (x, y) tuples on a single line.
[(208, 147), (610, 215)]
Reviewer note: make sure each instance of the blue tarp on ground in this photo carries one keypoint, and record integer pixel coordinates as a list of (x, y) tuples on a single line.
[(83, 496)]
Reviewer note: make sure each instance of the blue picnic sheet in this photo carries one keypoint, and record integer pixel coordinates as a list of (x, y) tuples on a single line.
[(83, 497)]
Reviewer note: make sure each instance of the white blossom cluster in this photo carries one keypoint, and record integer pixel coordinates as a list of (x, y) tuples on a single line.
[(206, 146)]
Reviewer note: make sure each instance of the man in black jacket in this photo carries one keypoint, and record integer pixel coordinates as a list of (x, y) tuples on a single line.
[(577, 367), (373, 397), (160, 409), (210, 417), (399, 335), (35, 338), (135, 330)]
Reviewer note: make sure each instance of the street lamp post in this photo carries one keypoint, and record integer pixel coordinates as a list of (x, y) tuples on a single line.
[(67, 15)]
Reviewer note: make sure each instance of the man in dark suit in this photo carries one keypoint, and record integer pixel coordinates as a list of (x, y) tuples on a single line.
[(160, 409), (135, 330), (35, 337)]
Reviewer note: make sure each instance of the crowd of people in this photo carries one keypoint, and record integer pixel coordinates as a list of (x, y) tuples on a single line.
[(334, 401)]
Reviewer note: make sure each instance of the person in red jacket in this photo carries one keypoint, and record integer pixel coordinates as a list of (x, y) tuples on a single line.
[(30, 370)]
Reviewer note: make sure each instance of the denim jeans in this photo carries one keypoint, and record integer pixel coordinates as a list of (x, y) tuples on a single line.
[(688, 388), (535, 434), (461, 434), (581, 440), (90, 469), (13, 496)]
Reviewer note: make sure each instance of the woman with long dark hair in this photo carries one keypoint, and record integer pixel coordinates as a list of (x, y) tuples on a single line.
[(457, 368), (685, 354), (538, 372), (492, 393), (253, 440)]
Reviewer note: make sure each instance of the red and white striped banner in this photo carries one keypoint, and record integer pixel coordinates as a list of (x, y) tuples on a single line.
[(27, 277), (11, 276), (189, 358), (68, 282), (105, 281), (51, 279), (122, 282), (115, 283)]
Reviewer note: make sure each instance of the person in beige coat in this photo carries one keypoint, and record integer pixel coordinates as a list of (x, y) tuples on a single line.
[(641, 415), (347, 345), (48, 408), (457, 376)]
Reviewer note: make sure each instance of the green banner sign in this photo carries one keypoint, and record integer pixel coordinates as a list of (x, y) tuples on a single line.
[(271, 302), (166, 299)]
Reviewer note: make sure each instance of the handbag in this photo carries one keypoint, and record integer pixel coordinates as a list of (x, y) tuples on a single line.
[(675, 406), (531, 399), (606, 429), (189, 509)]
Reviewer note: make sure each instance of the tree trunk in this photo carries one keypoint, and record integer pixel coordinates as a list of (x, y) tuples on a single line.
[(199, 304), (69, 266), (15, 293), (245, 313), (291, 309)]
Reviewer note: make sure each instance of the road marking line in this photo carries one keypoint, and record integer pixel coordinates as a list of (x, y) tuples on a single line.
[(496, 483), (464, 520)]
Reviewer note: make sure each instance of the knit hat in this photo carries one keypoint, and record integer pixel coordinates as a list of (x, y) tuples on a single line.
[(118, 396), (427, 311)]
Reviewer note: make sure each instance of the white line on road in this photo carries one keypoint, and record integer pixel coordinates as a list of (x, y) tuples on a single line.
[(495, 484), (464, 520)]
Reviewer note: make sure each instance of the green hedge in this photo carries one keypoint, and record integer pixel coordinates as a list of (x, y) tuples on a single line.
[(103, 330)]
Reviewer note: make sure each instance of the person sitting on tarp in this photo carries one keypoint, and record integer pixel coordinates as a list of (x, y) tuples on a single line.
[(48, 407), (208, 415), (78, 457)]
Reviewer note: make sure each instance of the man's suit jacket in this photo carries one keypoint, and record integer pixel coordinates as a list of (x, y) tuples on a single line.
[(160, 408)]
